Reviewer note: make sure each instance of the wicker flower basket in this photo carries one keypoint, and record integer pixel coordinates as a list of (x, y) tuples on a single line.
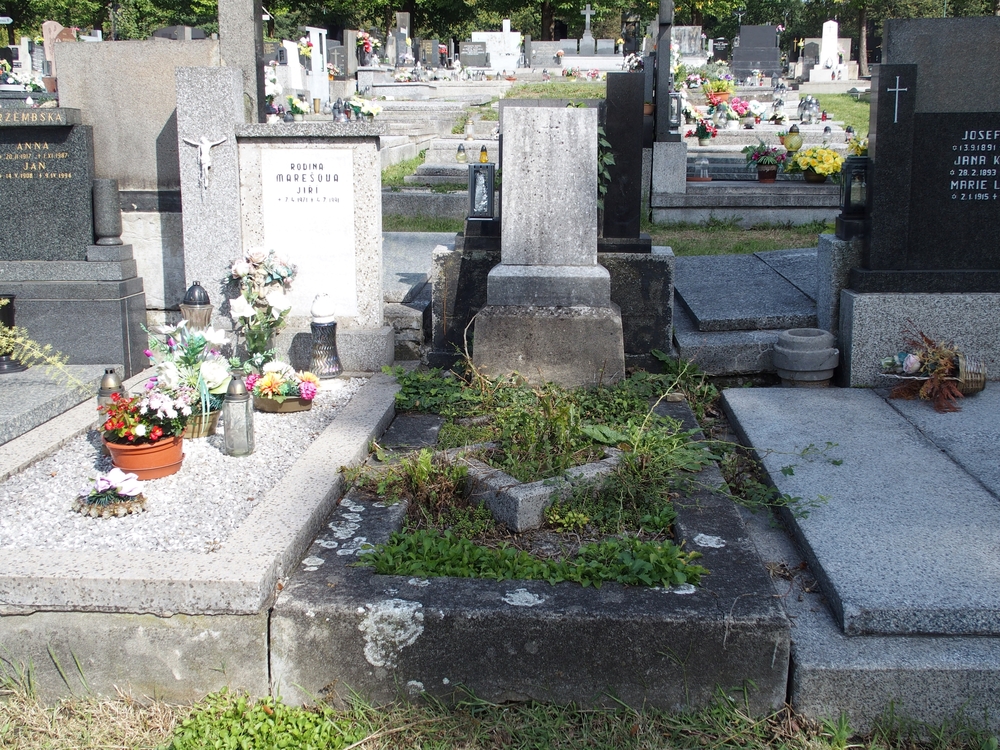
[(971, 375)]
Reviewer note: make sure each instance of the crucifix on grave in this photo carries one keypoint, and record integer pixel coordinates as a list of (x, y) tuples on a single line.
[(588, 45)]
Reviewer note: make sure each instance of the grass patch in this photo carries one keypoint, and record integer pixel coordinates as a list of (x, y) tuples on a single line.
[(558, 89), (618, 529), (216, 721), (844, 107), (397, 223), (727, 238), (393, 176)]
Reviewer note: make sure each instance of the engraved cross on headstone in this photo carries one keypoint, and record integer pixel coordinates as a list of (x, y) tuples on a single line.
[(896, 91), (588, 13)]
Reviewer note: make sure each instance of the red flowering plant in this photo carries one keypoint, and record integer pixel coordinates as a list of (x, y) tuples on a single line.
[(146, 417), (704, 129)]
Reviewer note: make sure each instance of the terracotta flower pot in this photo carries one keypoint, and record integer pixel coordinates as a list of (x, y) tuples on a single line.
[(722, 96), (286, 406), (647, 108), (148, 460)]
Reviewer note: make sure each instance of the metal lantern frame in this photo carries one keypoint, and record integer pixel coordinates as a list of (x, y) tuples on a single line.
[(853, 219), (486, 173)]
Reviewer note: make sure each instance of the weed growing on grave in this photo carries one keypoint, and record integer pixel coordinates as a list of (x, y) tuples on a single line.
[(746, 480), (16, 342), (392, 176)]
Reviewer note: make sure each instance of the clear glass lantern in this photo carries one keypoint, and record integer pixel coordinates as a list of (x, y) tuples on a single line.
[(237, 419), (721, 115), (110, 383), (701, 169), (460, 156)]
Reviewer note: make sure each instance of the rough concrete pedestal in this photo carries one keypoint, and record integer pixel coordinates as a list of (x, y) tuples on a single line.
[(670, 167), (572, 346)]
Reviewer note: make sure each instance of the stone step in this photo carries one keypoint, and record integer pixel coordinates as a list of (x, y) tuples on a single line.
[(906, 542), (749, 203)]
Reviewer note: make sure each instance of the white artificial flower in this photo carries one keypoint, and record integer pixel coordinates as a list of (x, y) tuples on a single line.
[(240, 268), (240, 308), (283, 369), (167, 375), (278, 301), (140, 430), (215, 336), (126, 484), (215, 372)]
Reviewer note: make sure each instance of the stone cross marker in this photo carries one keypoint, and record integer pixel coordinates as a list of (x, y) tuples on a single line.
[(548, 313), (587, 12)]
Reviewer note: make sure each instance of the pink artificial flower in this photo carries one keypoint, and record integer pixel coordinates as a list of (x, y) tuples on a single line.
[(250, 380), (307, 390), (911, 364)]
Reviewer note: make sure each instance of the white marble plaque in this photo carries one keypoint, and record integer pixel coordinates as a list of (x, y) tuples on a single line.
[(308, 216)]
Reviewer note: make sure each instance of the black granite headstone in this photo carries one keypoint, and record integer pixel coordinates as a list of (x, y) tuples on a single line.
[(337, 55), (46, 174), (758, 50), (429, 56), (403, 52), (934, 192), (623, 131), (473, 54)]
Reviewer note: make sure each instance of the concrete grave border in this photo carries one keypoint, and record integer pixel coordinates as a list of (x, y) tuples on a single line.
[(338, 628)]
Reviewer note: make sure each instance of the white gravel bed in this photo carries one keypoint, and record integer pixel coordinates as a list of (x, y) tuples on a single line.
[(193, 510)]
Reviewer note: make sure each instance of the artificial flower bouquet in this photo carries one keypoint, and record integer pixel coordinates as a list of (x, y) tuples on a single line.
[(261, 308), (704, 129), (718, 86), (762, 155), (116, 493), (367, 42), (297, 107), (280, 381), (147, 417), (363, 107), (632, 63), (193, 360), (930, 369), (857, 146), (305, 47), (819, 159), (24, 80), (740, 107)]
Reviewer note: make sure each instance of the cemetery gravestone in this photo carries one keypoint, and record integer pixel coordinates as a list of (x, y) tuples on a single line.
[(83, 299), (429, 56), (605, 46), (688, 39), (758, 50), (623, 200), (934, 194), (473, 54), (587, 46), (549, 314)]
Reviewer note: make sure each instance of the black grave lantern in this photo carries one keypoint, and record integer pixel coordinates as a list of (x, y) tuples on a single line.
[(852, 221), (674, 111), (481, 191)]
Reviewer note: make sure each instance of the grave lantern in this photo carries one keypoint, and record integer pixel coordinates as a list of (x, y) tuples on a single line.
[(777, 107), (484, 157), (702, 171), (827, 130), (237, 419), (793, 139), (110, 383), (324, 361), (853, 218), (674, 111), (775, 81), (460, 155), (481, 191), (721, 115), (196, 308)]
